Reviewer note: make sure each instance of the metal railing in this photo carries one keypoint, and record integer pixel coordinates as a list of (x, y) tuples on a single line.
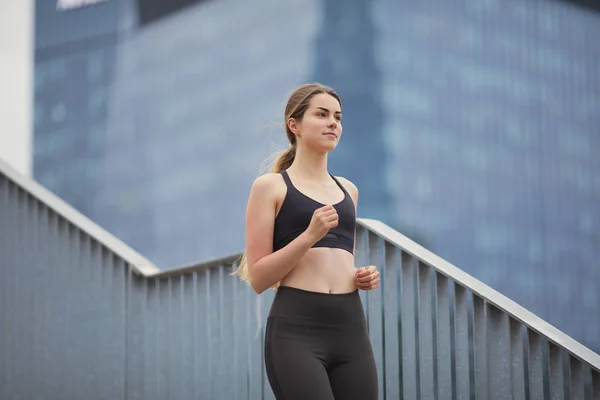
[(84, 316), (440, 333)]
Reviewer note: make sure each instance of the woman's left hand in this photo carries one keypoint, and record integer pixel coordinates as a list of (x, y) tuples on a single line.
[(367, 278)]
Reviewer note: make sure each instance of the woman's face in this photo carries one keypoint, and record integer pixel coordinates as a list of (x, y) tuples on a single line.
[(321, 126)]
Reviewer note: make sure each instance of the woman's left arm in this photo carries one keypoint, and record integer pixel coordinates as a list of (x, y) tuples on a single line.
[(367, 278)]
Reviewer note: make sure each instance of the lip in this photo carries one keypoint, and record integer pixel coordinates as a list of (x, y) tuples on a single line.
[(330, 134)]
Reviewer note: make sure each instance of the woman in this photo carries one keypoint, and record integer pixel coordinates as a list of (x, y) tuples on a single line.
[(300, 228)]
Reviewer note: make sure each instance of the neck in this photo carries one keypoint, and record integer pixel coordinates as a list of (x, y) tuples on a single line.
[(310, 164)]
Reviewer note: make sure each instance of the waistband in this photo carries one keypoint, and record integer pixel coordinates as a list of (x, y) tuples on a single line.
[(321, 308)]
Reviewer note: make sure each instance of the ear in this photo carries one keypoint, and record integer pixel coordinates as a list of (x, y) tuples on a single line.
[(293, 125)]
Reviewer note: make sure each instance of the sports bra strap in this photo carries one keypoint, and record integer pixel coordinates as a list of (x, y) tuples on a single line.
[(289, 183), (340, 185), (286, 178)]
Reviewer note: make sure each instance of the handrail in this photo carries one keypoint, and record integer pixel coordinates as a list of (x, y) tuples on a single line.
[(138, 263), (488, 294), (197, 267)]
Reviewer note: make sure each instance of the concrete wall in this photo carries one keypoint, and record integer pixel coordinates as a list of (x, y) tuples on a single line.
[(16, 83)]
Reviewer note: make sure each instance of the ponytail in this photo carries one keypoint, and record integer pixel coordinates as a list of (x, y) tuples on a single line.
[(282, 162)]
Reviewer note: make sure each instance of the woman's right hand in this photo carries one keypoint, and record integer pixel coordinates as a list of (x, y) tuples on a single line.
[(323, 219)]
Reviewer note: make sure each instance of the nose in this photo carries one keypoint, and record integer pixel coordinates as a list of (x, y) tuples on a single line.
[(333, 124)]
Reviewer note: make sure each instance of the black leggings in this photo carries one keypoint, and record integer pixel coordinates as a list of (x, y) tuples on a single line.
[(317, 347)]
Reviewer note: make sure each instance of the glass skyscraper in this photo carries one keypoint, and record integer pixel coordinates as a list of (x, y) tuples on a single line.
[(470, 126)]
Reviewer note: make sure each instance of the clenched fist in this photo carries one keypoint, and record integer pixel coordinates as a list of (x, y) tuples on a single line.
[(367, 278), (322, 221)]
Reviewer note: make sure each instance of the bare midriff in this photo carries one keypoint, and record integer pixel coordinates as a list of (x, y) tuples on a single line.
[(324, 270)]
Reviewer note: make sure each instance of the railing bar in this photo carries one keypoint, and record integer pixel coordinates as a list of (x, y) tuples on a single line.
[(536, 382), (409, 339), (222, 388), (566, 369), (415, 324), (556, 375), (517, 366), (471, 343), (480, 347), (195, 339), (425, 322), (577, 379), (208, 301), (235, 316), (443, 338), (383, 375), (390, 287), (499, 354), (375, 310), (401, 337), (362, 250), (249, 315), (461, 348), (452, 298), (595, 383)]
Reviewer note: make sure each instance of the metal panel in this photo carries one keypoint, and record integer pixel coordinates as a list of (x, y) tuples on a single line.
[(425, 299), (536, 367), (443, 340), (480, 348), (376, 312), (577, 379), (408, 317), (595, 385), (517, 367), (390, 286), (83, 319), (461, 344), (557, 384), (499, 354)]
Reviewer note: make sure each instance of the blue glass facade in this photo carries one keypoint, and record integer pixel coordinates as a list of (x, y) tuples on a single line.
[(470, 126)]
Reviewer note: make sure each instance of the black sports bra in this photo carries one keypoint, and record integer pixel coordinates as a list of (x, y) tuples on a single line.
[(297, 211)]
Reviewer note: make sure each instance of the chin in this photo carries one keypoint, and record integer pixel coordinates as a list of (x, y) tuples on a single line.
[(328, 148), (324, 147), (331, 148)]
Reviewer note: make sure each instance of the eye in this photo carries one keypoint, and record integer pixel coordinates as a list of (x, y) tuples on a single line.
[(321, 114)]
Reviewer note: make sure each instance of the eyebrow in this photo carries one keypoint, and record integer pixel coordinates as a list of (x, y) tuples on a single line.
[(326, 110)]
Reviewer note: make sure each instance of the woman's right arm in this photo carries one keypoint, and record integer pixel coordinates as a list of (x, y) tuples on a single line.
[(265, 267)]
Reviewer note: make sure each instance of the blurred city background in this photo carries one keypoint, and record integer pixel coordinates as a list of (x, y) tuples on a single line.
[(470, 126)]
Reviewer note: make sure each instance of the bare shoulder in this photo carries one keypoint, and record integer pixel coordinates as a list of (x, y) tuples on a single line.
[(350, 187), (270, 184), (266, 181)]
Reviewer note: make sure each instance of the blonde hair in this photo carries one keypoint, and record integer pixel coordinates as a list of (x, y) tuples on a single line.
[(297, 104)]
